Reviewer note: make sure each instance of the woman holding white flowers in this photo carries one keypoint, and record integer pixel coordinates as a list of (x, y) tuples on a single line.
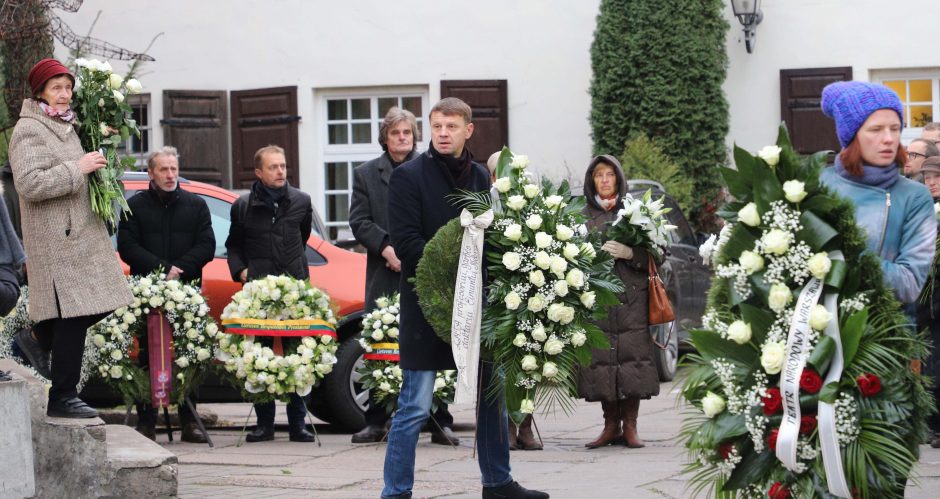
[(619, 377), (75, 278), (895, 212)]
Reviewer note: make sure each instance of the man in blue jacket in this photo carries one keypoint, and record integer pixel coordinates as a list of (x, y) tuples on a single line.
[(418, 206)]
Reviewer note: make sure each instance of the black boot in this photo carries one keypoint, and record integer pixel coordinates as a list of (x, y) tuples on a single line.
[(261, 433), (70, 407), (369, 434), (37, 356), (147, 421), (444, 436), (299, 433), (512, 490), (192, 434)]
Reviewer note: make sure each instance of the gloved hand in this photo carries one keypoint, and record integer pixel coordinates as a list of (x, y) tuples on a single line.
[(618, 250)]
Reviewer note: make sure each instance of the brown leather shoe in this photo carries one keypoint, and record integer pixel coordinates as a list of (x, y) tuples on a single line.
[(192, 434), (513, 439), (936, 443), (611, 433), (630, 408), (527, 439)]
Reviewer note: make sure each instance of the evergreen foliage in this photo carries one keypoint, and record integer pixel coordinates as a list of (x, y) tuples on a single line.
[(658, 70), (643, 158)]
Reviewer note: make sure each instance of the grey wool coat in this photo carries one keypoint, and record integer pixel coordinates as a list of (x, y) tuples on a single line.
[(368, 219), (626, 369), (69, 249)]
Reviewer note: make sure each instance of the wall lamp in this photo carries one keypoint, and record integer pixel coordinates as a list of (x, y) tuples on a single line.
[(749, 14)]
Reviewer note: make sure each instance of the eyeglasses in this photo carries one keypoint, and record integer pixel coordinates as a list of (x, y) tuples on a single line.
[(915, 155)]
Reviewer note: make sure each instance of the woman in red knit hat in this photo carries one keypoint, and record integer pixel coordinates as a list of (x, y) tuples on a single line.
[(74, 276)]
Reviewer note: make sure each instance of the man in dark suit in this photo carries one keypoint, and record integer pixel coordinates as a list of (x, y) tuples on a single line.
[(418, 206), (369, 222)]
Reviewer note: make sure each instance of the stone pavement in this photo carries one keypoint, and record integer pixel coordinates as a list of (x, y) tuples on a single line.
[(338, 469)]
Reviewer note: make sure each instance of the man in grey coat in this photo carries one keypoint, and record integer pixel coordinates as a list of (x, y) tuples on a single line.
[(368, 220)]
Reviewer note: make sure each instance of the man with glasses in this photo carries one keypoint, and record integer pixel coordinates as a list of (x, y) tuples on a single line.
[(917, 151)]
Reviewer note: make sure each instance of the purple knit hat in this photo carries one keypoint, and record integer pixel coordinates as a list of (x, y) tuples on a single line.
[(851, 102)]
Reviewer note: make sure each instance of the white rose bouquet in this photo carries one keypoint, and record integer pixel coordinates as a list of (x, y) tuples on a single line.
[(641, 222), (115, 341), (302, 351), (380, 373), (105, 121)]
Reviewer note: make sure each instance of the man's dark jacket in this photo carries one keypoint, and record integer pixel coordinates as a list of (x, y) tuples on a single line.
[(177, 232), (269, 242), (417, 208), (368, 220)]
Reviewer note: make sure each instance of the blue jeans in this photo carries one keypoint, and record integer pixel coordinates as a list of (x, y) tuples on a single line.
[(414, 405)]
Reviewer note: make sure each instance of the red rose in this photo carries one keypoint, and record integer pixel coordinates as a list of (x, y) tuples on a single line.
[(724, 450), (772, 439), (868, 384), (810, 381), (778, 491), (807, 424), (773, 402)]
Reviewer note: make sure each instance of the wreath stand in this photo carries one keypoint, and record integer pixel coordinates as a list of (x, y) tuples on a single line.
[(169, 427)]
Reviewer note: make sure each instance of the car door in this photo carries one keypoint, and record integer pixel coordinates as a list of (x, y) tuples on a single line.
[(684, 254)]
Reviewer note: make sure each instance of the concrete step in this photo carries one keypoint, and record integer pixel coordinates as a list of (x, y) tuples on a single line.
[(138, 467)]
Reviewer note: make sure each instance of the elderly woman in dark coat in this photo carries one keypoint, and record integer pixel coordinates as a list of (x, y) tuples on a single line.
[(619, 377)]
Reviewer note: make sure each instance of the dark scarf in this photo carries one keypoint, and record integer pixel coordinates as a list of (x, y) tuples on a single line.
[(882, 177), (395, 164), (459, 170), (271, 197), (165, 197)]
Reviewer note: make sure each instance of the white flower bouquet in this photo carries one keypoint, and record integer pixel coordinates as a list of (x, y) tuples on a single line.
[(303, 348), (641, 223)]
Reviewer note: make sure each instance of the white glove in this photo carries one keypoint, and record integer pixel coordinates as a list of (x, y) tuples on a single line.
[(618, 250)]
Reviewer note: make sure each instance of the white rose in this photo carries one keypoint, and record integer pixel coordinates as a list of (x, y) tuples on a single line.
[(519, 161), (511, 260), (261, 363), (115, 81), (772, 355), (779, 297), (537, 278), (529, 363), (549, 370), (392, 333), (534, 222), (116, 355), (385, 386), (133, 86), (381, 302), (103, 128), (536, 303), (503, 184), (819, 317), (116, 372), (526, 406), (770, 154), (388, 318), (439, 384), (542, 260), (739, 332), (542, 240), (377, 335), (776, 241), (519, 340), (377, 374), (563, 232), (566, 315), (712, 404), (794, 190), (575, 278), (588, 298), (819, 265), (202, 354), (192, 334), (748, 215), (118, 96), (531, 190), (561, 288), (554, 346), (751, 261), (516, 202), (558, 266), (538, 332), (571, 251), (513, 232), (182, 362), (512, 300), (99, 340), (553, 202), (101, 102), (578, 339)]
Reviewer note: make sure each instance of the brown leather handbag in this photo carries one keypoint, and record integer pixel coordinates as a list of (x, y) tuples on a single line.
[(660, 308)]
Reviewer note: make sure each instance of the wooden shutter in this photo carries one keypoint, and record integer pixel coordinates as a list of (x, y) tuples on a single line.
[(800, 93), (261, 117), (195, 122), (488, 100)]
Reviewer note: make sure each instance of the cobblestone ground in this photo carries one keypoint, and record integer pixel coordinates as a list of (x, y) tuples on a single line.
[(339, 469)]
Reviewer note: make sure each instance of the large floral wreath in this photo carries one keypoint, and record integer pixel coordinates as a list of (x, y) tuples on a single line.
[(546, 285), (380, 372), (802, 372), (302, 349), (116, 339)]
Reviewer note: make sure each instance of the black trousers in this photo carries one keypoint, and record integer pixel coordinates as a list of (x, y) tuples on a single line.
[(376, 416), (65, 338)]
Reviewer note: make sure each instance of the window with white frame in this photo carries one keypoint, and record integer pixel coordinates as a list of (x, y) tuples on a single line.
[(139, 147), (350, 136), (919, 90)]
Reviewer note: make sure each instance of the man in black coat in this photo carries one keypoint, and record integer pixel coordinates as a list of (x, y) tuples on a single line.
[(368, 220), (418, 206), (268, 236), (170, 229)]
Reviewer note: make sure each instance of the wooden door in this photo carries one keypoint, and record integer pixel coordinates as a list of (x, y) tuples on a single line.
[(261, 117), (195, 122), (800, 93), (488, 100)]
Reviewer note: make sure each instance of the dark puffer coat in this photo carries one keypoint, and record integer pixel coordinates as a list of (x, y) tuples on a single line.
[(627, 369)]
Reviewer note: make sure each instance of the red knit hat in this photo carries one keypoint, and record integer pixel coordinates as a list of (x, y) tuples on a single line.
[(43, 71)]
